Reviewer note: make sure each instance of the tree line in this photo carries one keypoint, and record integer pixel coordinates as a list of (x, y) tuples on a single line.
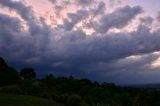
[(73, 92)]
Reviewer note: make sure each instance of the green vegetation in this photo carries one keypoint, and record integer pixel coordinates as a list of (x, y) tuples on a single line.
[(20, 100), (15, 86)]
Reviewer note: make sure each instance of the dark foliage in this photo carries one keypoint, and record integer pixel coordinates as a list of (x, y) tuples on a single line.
[(28, 73), (8, 75)]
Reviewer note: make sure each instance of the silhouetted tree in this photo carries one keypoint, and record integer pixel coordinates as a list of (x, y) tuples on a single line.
[(3, 64), (28, 73), (8, 75), (48, 81)]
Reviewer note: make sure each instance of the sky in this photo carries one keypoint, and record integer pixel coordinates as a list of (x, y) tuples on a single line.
[(114, 41)]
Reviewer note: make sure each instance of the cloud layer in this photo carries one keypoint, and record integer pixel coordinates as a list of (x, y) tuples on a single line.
[(89, 40)]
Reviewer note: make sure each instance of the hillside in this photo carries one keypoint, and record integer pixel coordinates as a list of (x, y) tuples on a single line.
[(21, 100)]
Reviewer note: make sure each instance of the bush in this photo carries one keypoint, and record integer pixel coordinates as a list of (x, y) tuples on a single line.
[(11, 89)]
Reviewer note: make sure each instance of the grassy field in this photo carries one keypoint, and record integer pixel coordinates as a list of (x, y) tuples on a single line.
[(20, 100)]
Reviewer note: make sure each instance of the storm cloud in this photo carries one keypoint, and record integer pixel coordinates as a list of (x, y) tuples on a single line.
[(119, 18), (68, 49)]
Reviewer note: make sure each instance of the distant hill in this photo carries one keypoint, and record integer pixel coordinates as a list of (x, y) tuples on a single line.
[(145, 86)]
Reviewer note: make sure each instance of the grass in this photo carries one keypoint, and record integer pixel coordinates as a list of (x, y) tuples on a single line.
[(23, 100)]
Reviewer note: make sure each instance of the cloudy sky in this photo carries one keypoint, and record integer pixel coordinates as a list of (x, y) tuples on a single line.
[(104, 40)]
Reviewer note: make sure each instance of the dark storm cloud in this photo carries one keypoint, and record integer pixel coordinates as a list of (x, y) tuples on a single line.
[(100, 8), (115, 2), (24, 11), (74, 18), (85, 2), (158, 16), (22, 43), (54, 1), (64, 48), (9, 26), (119, 18), (111, 47)]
